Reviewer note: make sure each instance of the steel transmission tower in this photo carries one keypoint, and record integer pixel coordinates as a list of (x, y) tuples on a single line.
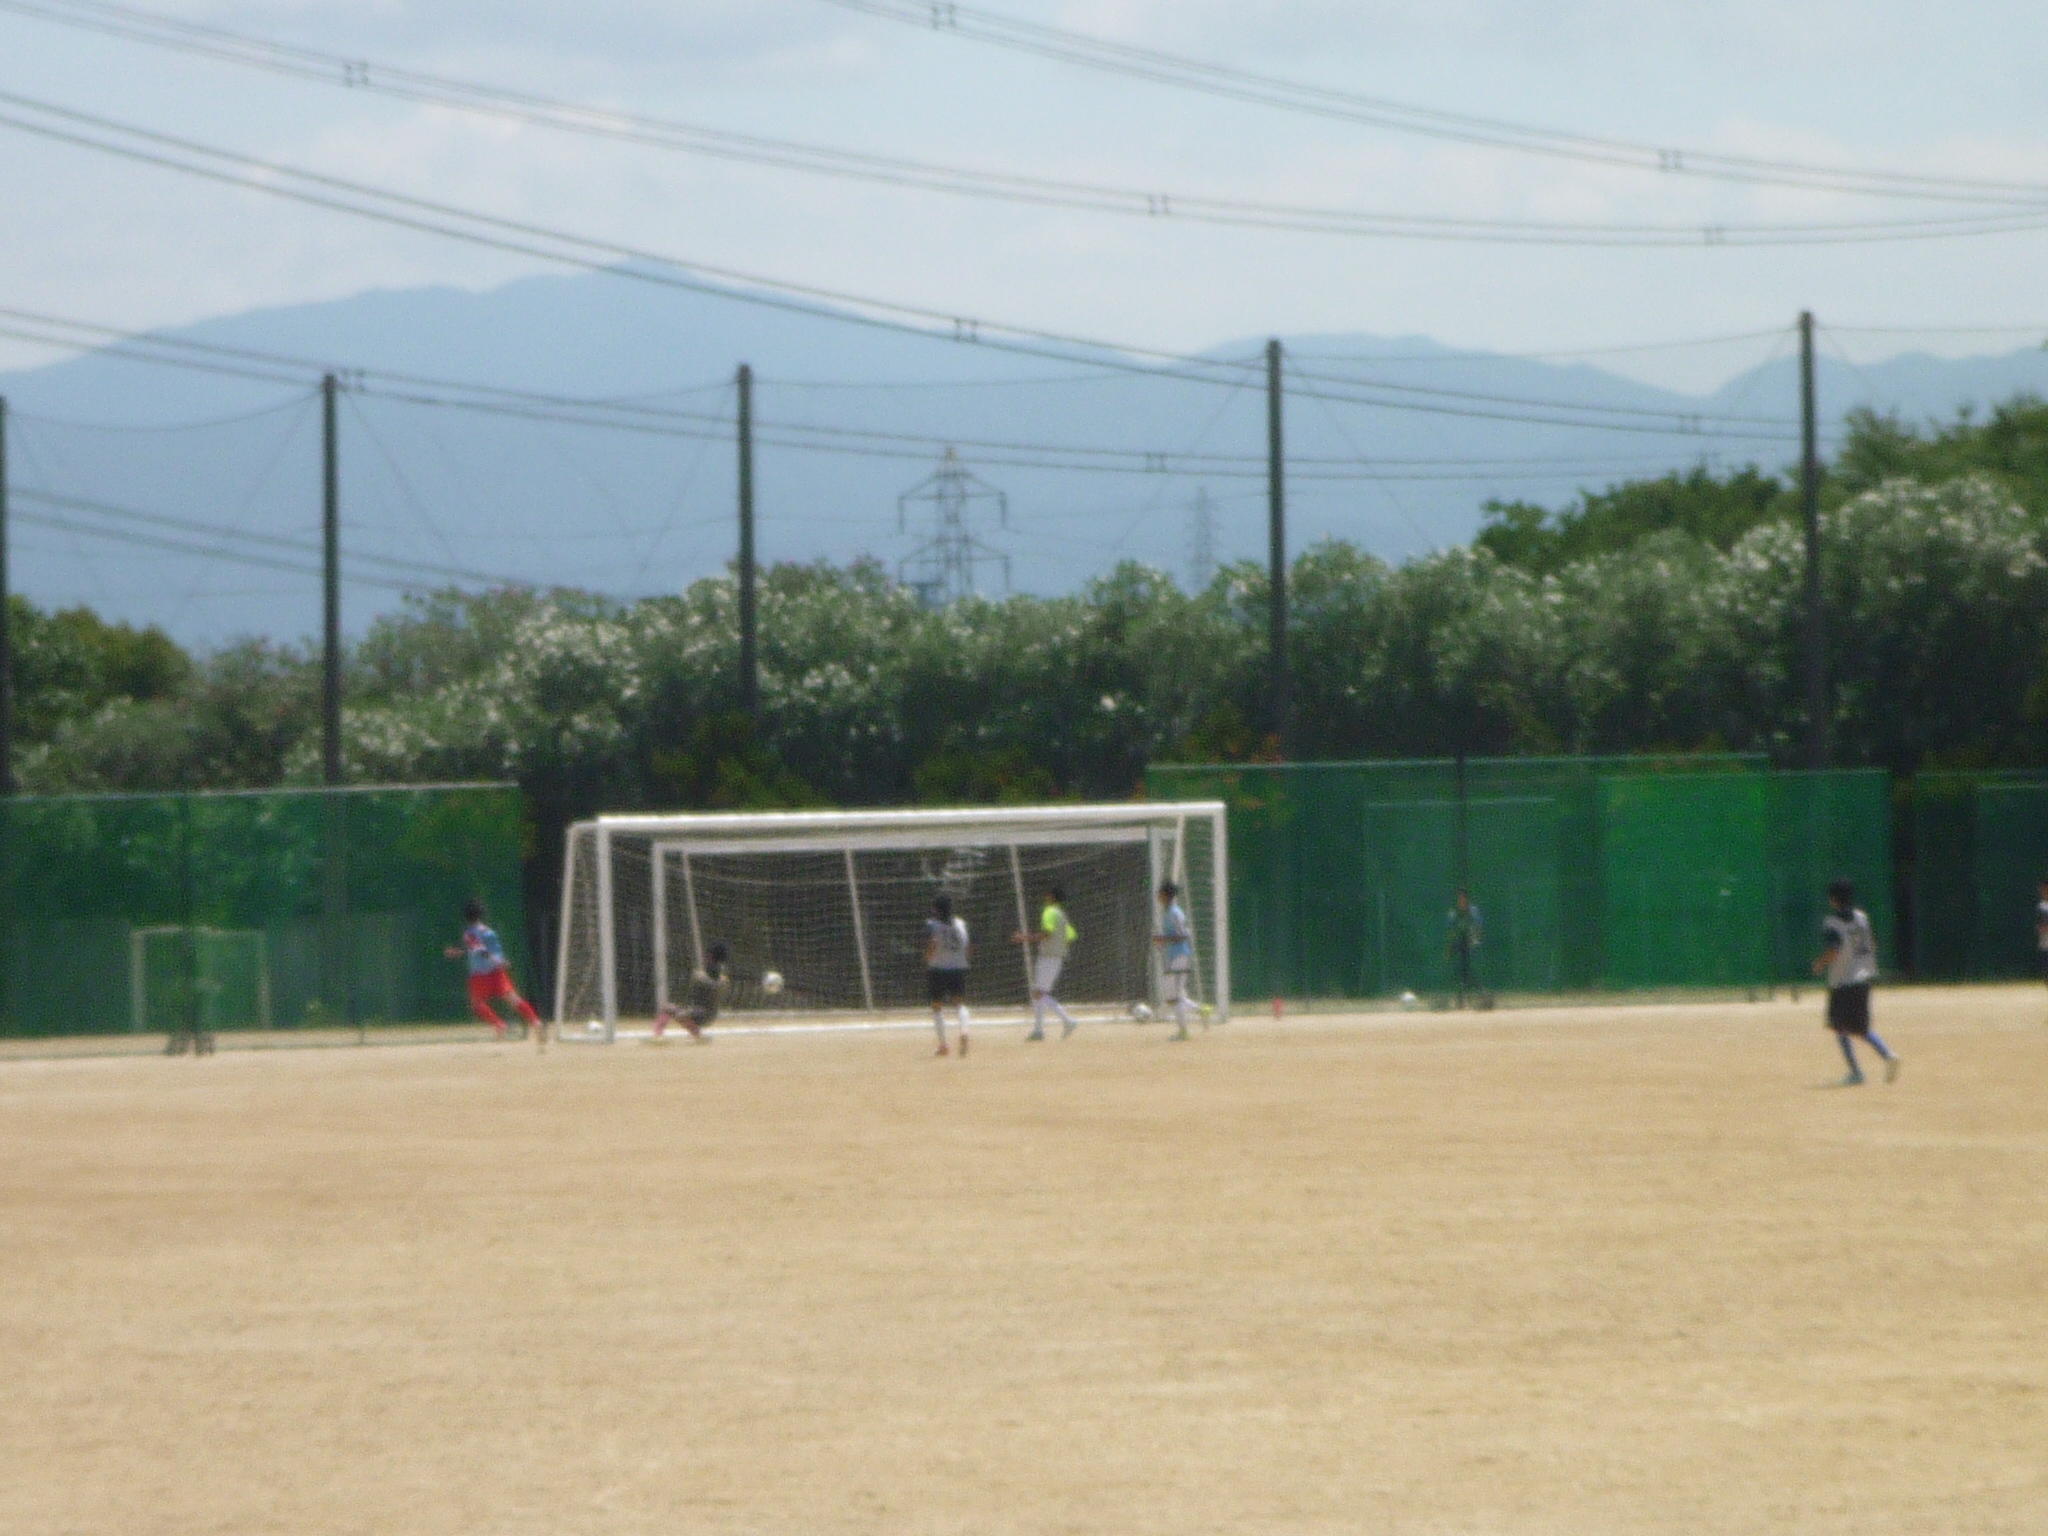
[(941, 570), (1201, 543)]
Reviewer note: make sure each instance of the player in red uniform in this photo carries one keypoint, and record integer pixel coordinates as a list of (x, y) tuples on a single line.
[(490, 976)]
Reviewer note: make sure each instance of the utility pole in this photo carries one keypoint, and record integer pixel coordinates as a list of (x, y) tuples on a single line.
[(1280, 683), (330, 571), (6, 634), (750, 665), (1815, 636), (1202, 544)]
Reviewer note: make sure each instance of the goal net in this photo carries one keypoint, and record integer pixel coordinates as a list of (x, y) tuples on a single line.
[(204, 979), (832, 905)]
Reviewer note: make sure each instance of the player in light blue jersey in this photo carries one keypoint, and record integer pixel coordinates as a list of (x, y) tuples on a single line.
[(1175, 941)]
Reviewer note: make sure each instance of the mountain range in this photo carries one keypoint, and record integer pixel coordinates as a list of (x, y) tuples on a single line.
[(192, 498)]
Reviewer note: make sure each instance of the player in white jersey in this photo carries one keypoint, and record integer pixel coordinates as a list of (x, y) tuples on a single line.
[(945, 967), (1176, 943), (1049, 948), (1848, 959)]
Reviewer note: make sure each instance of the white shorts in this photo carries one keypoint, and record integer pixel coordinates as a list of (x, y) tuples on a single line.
[(1177, 986), (1045, 972)]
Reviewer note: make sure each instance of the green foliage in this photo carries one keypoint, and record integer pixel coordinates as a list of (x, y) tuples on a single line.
[(1714, 509), (1658, 616), (2009, 447), (70, 664)]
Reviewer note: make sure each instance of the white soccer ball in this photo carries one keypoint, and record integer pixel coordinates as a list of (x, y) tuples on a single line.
[(1410, 1001), (595, 1026), (1142, 1012), (771, 983)]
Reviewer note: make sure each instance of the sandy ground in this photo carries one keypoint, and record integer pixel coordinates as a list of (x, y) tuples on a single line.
[(1619, 1270)]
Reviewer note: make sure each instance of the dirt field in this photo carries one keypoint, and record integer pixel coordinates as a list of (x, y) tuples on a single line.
[(1615, 1270)]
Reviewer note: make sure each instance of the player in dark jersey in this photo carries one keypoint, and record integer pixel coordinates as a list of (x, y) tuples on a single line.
[(701, 1000)]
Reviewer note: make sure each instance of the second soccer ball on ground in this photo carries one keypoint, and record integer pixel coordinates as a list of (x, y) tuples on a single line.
[(771, 982)]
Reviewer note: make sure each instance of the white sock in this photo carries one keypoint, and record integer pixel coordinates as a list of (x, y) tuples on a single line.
[(1180, 1012), (1060, 1009), (1038, 1002), (963, 1018), (939, 1026)]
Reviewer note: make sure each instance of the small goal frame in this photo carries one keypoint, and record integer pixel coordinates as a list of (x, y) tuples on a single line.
[(138, 969), (673, 841)]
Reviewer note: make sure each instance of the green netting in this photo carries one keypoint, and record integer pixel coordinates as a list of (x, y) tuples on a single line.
[(1979, 848), (1589, 873), (279, 909)]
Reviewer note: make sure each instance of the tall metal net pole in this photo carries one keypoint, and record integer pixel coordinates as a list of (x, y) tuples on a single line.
[(1281, 682), (6, 633), (1814, 662), (750, 666), (330, 570)]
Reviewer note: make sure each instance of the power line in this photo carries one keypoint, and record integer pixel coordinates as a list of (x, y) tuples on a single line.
[(1134, 62), (608, 414), (249, 51), (185, 527), (575, 250)]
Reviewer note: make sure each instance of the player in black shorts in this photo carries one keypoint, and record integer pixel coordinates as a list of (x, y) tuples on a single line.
[(1848, 959), (945, 968)]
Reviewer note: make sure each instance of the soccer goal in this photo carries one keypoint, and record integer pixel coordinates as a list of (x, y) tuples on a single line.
[(823, 911), (198, 978)]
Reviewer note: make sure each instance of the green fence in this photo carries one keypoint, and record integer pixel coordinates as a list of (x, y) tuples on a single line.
[(1589, 873), (1978, 850), (285, 909)]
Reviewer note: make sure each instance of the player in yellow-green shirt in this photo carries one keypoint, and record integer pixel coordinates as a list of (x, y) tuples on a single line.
[(1049, 947)]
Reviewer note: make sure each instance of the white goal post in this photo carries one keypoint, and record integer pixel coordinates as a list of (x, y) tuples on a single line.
[(831, 905)]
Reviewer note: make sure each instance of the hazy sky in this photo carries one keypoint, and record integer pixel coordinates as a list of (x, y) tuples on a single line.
[(1899, 84)]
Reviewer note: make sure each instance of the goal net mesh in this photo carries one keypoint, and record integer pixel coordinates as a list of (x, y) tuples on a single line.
[(839, 920)]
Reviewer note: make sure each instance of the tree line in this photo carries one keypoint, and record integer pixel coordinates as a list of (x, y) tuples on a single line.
[(1660, 614)]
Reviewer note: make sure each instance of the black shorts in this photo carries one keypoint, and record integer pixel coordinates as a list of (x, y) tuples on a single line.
[(1849, 1009), (946, 986)]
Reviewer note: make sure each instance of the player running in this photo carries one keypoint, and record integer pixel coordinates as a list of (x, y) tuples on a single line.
[(490, 975), (1049, 953), (707, 987), (1176, 942), (945, 967), (1849, 961)]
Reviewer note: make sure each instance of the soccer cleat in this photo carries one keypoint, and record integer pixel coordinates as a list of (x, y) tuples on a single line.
[(1036, 1034), (1891, 1070), (1067, 1029), (963, 1042), (1853, 1080), (1180, 1034), (942, 1050)]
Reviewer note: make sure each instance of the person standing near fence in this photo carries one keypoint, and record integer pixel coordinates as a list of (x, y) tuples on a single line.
[(1848, 959), (1464, 928)]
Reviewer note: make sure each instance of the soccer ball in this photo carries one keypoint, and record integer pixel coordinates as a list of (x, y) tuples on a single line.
[(1142, 1012), (1410, 1001), (771, 983), (595, 1026)]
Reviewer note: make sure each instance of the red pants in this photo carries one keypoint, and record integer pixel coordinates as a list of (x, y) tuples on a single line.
[(495, 984)]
